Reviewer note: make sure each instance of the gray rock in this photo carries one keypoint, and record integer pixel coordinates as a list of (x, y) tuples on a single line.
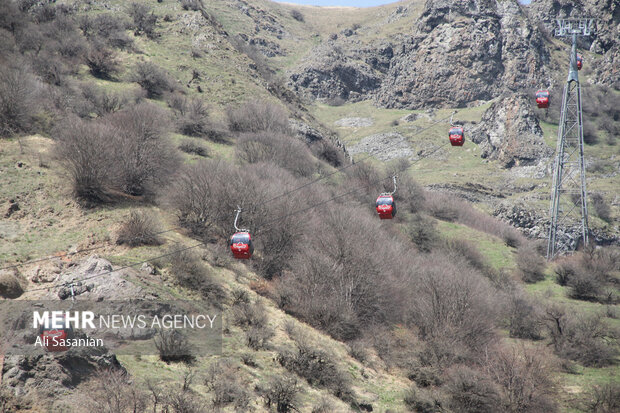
[(509, 132), (354, 122), (384, 146)]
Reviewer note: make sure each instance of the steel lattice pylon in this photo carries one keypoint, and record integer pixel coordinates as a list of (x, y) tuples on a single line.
[(568, 193)]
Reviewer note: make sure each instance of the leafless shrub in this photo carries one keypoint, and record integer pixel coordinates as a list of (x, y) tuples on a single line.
[(192, 115), (425, 376), (146, 160), (523, 377), (50, 68), (257, 116), (471, 391), (284, 151), (317, 367), (582, 338), (333, 257), (601, 207), (173, 346), (530, 265), (257, 337), (144, 19), (419, 401), (192, 147), (468, 251), (358, 349), (16, 101), (327, 151), (84, 151), (453, 310), (450, 208), (224, 380), (104, 102), (102, 61), (178, 400), (113, 391), (605, 398), (249, 360), (140, 229), (441, 207), (250, 315), (410, 196), (297, 15), (423, 232), (190, 272), (153, 79), (324, 406), (194, 5), (282, 393), (524, 318)]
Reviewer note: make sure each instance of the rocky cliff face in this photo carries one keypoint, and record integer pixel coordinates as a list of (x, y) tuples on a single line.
[(510, 132), (605, 42), (458, 53), (464, 52)]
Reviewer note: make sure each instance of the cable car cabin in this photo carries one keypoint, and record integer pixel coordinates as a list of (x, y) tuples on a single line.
[(386, 207), (457, 136), (579, 62), (241, 245), (54, 337), (542, 99)]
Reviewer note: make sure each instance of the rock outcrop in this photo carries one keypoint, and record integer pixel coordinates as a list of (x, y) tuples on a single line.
[(465, 52), (459, 53), (604, 42), (510, 133)]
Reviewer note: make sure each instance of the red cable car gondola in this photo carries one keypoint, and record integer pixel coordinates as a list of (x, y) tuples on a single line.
[(385, 205), (542, 99), (241, 245), (579, 62), (54, 337), (241, 241), (457, 136)]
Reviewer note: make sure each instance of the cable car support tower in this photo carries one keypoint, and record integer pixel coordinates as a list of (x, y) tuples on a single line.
[(568, 192)]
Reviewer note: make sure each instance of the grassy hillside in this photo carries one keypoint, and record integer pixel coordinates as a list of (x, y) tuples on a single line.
[(300, 296)]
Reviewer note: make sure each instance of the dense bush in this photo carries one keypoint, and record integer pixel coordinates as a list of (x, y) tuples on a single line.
[(523, 377), (317, 367), (173, 346), (223, 379), (530, 264), (102, 61), (327, 151), (104, 102), (601, 207), (140, 229), (605, 398), (472, 391), (190, 272), (423, 233), (524, 317), (194, 5), (16, 100), (153, 79), (282, 394), (257, 116), (192, 147), (269, 147), (453, 309), (144, 19), (297, 15), (589, 273), (582, 338)]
